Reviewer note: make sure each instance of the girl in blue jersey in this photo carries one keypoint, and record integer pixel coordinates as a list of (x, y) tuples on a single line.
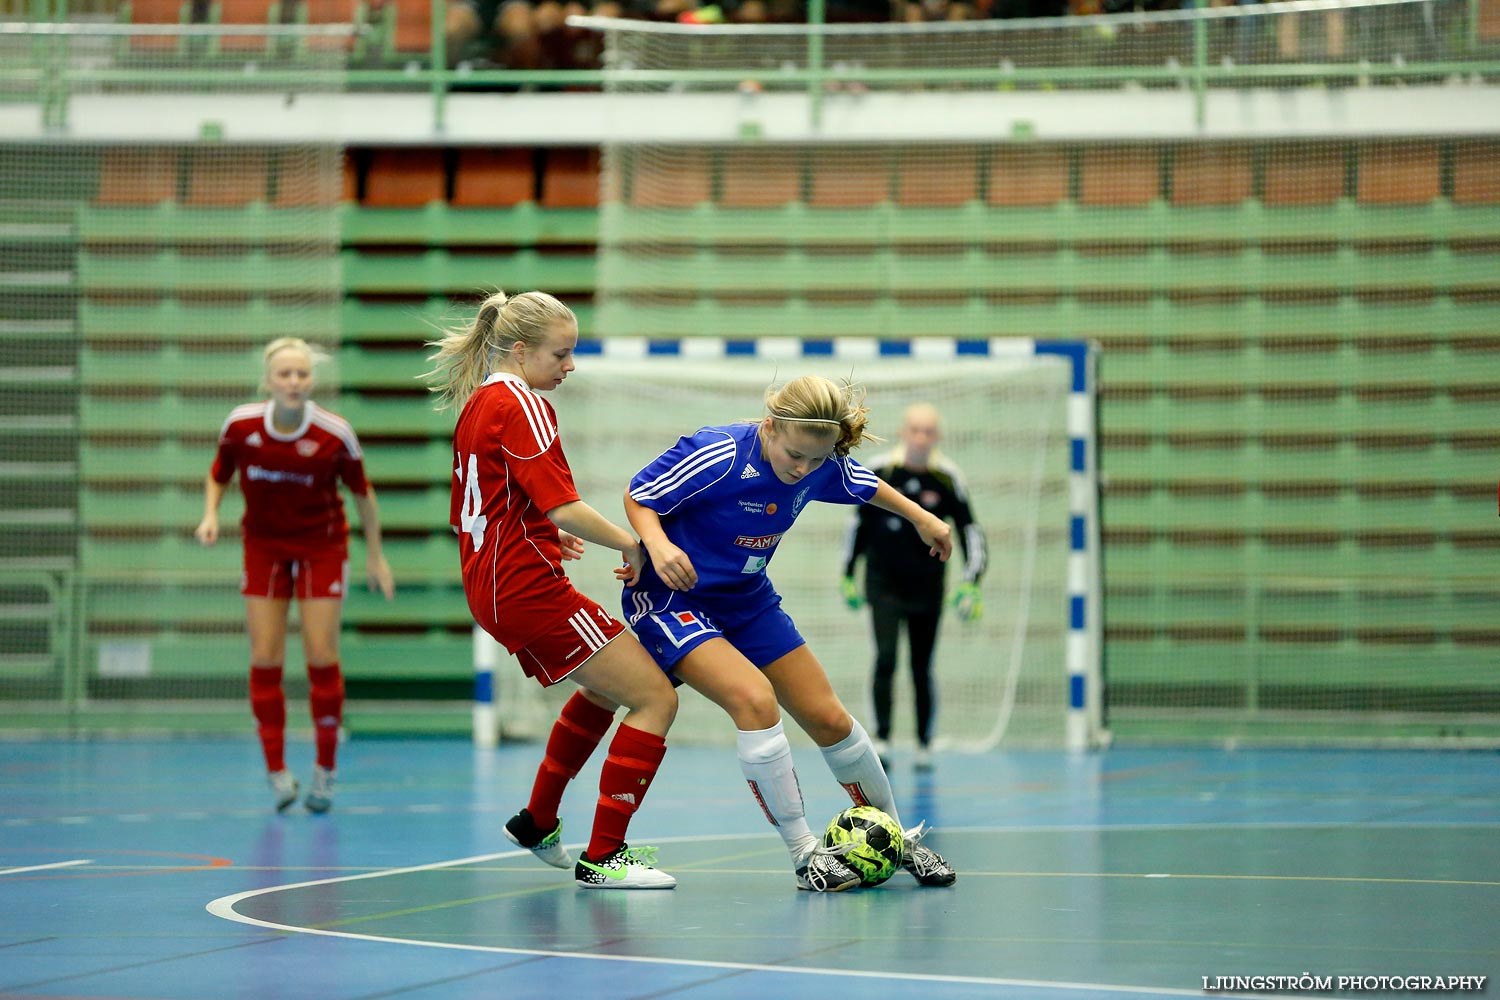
[(711, 512)]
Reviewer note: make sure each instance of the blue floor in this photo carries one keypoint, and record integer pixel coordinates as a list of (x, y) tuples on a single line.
[(157, 870)]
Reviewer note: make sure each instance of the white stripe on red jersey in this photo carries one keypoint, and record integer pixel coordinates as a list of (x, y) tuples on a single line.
[(543, 426), (508, 472), (340, 428), (290, 479)]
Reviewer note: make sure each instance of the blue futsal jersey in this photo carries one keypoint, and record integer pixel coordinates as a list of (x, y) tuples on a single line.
[(720, 503)]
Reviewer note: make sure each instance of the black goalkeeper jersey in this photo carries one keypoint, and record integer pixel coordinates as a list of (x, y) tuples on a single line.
[(897, 564)]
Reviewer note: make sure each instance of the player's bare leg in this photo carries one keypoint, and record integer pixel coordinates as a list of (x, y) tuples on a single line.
[(623, 673), (265, 619), (803, 689), (721, 673)]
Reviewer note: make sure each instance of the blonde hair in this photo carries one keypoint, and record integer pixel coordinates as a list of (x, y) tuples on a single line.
[(466, 356), (315, 356), (821, 406)]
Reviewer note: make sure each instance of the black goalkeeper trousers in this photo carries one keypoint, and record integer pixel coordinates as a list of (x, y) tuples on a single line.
[(886, 618)]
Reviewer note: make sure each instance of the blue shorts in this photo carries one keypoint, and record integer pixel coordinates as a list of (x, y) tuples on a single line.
[(671, 624)]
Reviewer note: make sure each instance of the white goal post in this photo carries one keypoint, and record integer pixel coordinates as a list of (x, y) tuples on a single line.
[(1017, 418)]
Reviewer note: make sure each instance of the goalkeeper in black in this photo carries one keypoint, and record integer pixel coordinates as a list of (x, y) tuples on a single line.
[(903, 583)]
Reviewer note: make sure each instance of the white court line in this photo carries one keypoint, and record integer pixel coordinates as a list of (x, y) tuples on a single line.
[(39, 868), (224, 907)]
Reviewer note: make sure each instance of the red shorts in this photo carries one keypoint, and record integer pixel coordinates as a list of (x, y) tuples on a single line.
[(323, 573), (570, 641)]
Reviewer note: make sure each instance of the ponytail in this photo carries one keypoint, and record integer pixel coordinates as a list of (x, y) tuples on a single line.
[(466, 356)]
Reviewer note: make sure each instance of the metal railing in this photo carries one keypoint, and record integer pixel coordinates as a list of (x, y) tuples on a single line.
[(1192, 50)]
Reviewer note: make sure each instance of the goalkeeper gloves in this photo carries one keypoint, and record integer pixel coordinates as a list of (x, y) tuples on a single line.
[(851, 594), (968, 603)]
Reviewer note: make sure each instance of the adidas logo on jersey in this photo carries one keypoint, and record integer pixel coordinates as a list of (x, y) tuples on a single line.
[(749, 472), (254, 440)]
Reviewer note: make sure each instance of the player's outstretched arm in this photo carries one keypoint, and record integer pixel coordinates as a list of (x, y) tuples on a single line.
[(932, 529), (207, 531), (670, 562), (377, 570), (578, 518)]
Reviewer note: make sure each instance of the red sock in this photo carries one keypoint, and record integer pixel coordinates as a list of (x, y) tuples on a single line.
[(269, 707), (579, 727), (325, 694), (634, 756)]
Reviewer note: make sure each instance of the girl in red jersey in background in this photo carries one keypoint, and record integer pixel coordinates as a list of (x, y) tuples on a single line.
[(290, 455), (512, 492)]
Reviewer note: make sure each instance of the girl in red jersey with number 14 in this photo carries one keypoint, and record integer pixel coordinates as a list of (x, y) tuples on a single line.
[(518, 516), (291, 455)]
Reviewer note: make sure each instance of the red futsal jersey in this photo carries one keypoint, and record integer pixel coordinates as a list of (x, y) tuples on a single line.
[(290, 481), (509, 470)]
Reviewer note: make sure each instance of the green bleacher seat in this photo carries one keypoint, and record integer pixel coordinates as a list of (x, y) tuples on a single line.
[(415, 464), (393, 416), (417, 322), (164, 461), (239, 320), (1267, 460), (358, 367), (170, 413), (440, 225), (433, 656), (1064, 317), (438, 271), (170, 508), (1066, 223), (418, 560), (227, 368), (250, 272), (174, 507), (1282, 665), (120, 606), (884, 271), (173, 224), (351, 367), (171, 555), (1143, 409), (1189, 553), (171, 461), (411, 322), (166, 414), (411, 510), (424, 559), (1310, 507), (446, 656)]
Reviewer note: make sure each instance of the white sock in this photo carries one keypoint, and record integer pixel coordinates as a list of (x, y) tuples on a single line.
[(766, 760), (857, 767)]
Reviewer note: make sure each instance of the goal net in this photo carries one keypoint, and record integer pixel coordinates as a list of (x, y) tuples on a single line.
[(1279, 223), (151, 248), (1005, 424)]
